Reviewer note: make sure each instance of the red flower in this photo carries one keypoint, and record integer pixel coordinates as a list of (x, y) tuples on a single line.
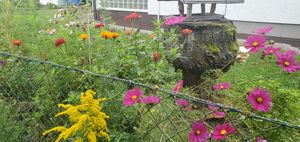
[(59, 42), (186, 31), (99, 25), (133, 16), (156, 56), (17, 42)]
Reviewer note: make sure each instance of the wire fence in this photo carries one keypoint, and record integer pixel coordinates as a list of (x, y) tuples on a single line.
[(31, 90)]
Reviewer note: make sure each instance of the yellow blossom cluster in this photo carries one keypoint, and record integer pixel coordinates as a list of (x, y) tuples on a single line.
[(87, 119), (109, 35), (83, 36)]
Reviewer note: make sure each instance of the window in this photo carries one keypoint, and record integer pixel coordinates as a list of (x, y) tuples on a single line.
[(128, 5)]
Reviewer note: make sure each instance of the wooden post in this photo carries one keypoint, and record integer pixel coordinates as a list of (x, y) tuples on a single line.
[(181, 7), (202, 8), (96, 15), (213, 8), (189, 10)]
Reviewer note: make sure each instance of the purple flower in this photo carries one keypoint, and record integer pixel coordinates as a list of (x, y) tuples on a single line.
[(260, 99), (151, 100), (199, 132), (184, 104), (132, 97), (255, 42), (259, 139), (287, 61), (217, 114), (174, 20), (270, 50), (222, 131), (221, 86), (264, 30), (177, 87)]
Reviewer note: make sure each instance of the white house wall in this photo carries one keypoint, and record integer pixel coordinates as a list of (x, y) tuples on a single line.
[(49, 1), (270, 11)]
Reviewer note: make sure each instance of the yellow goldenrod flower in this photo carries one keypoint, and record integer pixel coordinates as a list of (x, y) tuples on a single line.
[(109, 35), (83, 36), (86, 119)]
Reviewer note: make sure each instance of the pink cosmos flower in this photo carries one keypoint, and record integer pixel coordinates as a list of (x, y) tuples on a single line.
[(151, 100), (133, 16), (222, 131), (260, 99), (259, 139), (132, 97), (184, 104), (199, 132), (264, 30), (221, 86), (270, 50), (177, 87), (217, 114), (174, 20), (287, 61), (255, 42)]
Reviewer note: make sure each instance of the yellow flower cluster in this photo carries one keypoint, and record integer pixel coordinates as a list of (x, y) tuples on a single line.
[(88, 121), (83, 36), (109, 35)]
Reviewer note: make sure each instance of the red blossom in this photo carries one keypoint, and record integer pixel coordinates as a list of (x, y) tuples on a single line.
[(99, 25), (186, 31), (59, 42), (156, 56), (17, 42), (133, 16)]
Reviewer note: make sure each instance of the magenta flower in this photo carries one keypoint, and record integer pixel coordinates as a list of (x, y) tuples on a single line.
[(174, 20), (221, 86), (255, 42), (217, 114), (287, 61), (222, 131), (259, 139), (132, 97), (151, 100), (264, 30), (270, 50), (199, 132), (260, 99), (177, 87), (184, 104)]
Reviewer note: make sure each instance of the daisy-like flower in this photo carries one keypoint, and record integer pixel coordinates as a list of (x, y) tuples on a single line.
[(270, 50), (109, 35), (99, 25), (259, 139), (17, 42), (59, 42), (264, 30), (255, 43), (184, 104), (156, 56), (83, 36), (151, 100), (132, 97), (222, 131), (177, 87), (287, 61), (133, 16), (217, 114), (199, 132), (260, 99), (221, 86), (186, 31), (174, 20)]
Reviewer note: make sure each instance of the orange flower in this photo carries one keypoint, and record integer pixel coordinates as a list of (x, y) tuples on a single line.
[(128, 31), (83, 36), (109, 35), (156, 56), (17, 42), (186, 31), (151, 36)]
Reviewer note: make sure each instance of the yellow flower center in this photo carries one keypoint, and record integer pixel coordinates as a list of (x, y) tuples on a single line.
[(259, 99), (223, 132), (286, 64), (255, 43), (198, 132), (134, 97), (222, 87)]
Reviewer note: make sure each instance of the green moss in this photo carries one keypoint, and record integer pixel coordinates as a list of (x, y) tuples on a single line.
[(234, 47), (213, 48)]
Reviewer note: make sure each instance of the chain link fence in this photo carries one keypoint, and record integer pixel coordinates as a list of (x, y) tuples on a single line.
[(31, 90)]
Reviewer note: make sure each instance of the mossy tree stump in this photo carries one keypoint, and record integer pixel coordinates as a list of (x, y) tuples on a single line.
[(212, 45)]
